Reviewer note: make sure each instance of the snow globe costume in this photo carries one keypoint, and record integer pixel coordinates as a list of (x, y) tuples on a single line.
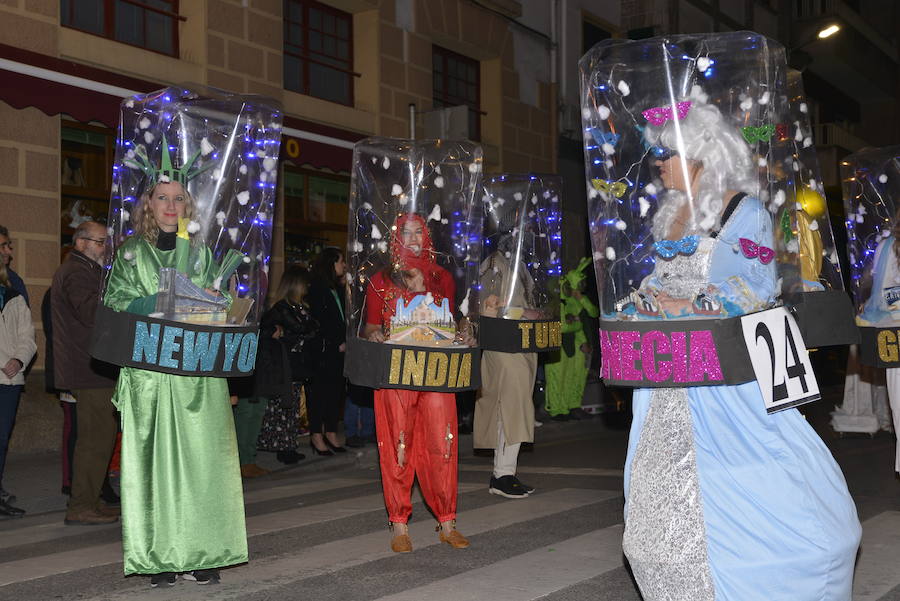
[(414, 249), (566, 377), (724, 500), (190, 230), (871, 183), (519, 314)]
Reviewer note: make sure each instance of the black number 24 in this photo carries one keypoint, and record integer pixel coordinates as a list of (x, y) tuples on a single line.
[(795, 370)]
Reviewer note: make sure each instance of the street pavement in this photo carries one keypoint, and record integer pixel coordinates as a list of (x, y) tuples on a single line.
[(318, 530)]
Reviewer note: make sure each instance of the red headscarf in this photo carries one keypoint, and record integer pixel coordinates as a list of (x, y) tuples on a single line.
[(437, 280)]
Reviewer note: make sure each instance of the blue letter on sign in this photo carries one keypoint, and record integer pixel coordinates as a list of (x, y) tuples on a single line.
[(232, 343), (146, 342), (247, 356), (169, 347), (203, 350)]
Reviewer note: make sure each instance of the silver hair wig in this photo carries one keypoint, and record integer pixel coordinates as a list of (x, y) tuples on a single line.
[(705, 136)]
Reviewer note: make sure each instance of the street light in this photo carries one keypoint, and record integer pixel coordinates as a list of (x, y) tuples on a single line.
[(829, 31)]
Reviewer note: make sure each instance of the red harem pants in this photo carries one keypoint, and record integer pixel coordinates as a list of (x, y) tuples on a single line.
[(417, 437)]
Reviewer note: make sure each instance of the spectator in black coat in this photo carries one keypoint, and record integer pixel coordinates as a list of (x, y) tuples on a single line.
[(327, 391)]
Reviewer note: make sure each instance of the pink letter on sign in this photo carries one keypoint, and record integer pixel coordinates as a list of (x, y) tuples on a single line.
[(609, 356), (656, 342), (629, 355), (679, 356), (704, 359)]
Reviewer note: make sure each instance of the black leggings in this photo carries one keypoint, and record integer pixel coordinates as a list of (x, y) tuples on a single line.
[(326, 395)]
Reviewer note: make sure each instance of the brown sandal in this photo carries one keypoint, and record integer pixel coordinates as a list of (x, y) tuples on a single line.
[(454, 539), (401, 543)]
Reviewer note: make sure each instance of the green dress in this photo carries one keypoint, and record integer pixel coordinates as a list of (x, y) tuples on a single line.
[(567, 376), (182, 499)]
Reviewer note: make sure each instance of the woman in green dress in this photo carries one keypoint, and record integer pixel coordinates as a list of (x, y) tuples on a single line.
[(182, 501)]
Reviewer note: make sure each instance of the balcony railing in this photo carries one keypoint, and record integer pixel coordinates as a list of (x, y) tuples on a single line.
[(832, 134)]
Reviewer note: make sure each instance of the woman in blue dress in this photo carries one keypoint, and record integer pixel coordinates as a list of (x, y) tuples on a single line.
[(725, 502)]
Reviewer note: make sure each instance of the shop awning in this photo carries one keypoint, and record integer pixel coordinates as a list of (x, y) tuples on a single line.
[(89, 94)]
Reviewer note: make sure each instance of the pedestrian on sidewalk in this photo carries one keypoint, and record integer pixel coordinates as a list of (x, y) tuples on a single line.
[(73, 300), (17, 348), (359, 416), (6, 257), (327, 391), (249, 410)]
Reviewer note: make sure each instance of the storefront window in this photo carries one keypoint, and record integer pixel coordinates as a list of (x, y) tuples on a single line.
[(86, 164), (315, 213), (150, 24)]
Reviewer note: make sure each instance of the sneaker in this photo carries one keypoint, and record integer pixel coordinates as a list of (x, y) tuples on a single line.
[(355, 442), (89, 517), (7, 497), (202, 576), (7, 511), (562, 417), (507, 486), (163, 579), (525, 487)]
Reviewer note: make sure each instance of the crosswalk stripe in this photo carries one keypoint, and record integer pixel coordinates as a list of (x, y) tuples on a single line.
[(876, 569), (348, 552), (98, 555), (531, 575), (560, 471), (37, 533)]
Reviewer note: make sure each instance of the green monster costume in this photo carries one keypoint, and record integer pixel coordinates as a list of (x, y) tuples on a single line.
[(567, 376), (182, 499)]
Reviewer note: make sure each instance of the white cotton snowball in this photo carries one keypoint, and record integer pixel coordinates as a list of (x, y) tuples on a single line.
[(144, 123), (374, 160), (217, 283), (862, 210), (608, 164), (275, 126), (130, 154), (517, 196), (610, 253), (357, 247), (592, 192), (608, 148), (779, 198), (534, 199), (367, 206), (439, 182), (403, 198), (792, 247), (796, 166), (193, 227), (164, 179), (598, 255), (500, 201), (814, 225), (621, 225), (205, 147), (603, 112), (261, 216), (125, 215), (762, 162), (507, 254), (803, 107), (444, 221), (110, 232), (243, 169), (376, 233), (437, 169), (709, 221), (807, 142), (474, 168), (130, 104), (546, 193), (644, 205), (435, 214), (220, 218), (703, 63), (148, 137), (586, 113), (260, 153), (386, 163), (243, 197), (233, 232), (464, 305), (217, 173), (883, 178), (624, 88), (798, 136), (269, 164), (396, 190), (764, 99), (860, 219), (263, 176), (128, 255), (650, 189), (382, 246), (747, 104)]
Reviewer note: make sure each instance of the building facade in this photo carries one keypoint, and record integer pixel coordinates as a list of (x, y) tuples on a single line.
[(342, 69)]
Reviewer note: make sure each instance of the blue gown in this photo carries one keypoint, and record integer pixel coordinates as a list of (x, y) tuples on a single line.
[(725, 502)]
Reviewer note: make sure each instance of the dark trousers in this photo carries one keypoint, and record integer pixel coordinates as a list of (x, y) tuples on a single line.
[(9, 405), (248, 419), (69, 436), (325, 396), (96, 439)]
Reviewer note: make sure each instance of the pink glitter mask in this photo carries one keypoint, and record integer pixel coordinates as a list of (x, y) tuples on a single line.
[(753, 250), (659, 115)]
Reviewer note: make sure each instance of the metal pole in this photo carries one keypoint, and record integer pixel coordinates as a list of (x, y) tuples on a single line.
[(412, 121)]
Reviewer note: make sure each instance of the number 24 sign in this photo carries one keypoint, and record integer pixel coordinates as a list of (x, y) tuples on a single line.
[(779, 359)]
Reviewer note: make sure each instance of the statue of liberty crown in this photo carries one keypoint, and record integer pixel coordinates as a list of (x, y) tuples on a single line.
[(167, 171)]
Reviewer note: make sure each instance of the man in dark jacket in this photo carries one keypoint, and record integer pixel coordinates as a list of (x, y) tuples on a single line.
[(73, 298)]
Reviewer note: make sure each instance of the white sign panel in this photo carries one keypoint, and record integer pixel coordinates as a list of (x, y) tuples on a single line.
[(779, 359)]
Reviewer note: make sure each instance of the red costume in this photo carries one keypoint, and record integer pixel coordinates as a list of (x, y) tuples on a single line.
[(417, 431)]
